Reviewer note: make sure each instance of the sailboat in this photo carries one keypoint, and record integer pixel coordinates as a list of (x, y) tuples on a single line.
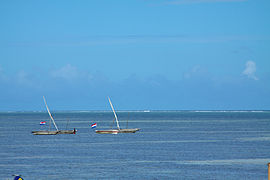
[(57, 131), (118, 130)]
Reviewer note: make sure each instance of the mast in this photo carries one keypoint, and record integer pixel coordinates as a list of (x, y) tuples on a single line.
[(50, 114), (116, 119)]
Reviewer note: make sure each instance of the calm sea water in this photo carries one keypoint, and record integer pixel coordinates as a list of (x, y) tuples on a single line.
[(170, 145)]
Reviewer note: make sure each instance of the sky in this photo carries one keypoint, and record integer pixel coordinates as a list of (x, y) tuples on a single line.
[(143, 54)]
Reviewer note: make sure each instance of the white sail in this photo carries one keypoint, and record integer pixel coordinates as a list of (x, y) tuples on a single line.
[(114, 114), (50, 113)]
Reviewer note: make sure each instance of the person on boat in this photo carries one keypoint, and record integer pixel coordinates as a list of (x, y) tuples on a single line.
[(74, 131)]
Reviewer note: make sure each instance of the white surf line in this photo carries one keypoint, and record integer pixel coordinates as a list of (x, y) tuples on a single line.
[(255, 161), (265, 138)]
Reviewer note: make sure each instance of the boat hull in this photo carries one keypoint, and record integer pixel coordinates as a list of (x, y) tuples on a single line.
[(67, 131), (115, 131), (128, 130), (54, 132), (44, 132)]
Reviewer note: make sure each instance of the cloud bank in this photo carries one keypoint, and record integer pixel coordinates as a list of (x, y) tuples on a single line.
[(67, 72), (69, 88), (250, 70)]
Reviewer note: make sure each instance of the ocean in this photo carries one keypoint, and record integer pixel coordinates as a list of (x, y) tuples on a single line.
[(170, 145)]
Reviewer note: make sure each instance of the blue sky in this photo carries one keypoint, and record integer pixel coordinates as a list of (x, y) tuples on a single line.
[(144, 54)]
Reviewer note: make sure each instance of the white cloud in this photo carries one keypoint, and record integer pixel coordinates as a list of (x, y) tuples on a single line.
[(67, 72), (21, 78), (250, 70), (24, 78), (72, 73), (196, 71)]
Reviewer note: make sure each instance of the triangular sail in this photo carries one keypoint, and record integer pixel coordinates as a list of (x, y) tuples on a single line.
[(116, 119), (50, 114)]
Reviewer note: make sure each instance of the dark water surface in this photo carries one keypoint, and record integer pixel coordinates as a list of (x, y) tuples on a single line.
[(170, 145)]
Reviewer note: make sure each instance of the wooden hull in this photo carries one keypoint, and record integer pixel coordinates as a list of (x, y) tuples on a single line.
[(107, 131), (44, 132), (54, 132), (128, 130), (67, 131), (115, 131)]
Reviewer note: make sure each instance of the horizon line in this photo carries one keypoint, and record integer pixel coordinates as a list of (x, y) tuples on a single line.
[(145, 111)]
